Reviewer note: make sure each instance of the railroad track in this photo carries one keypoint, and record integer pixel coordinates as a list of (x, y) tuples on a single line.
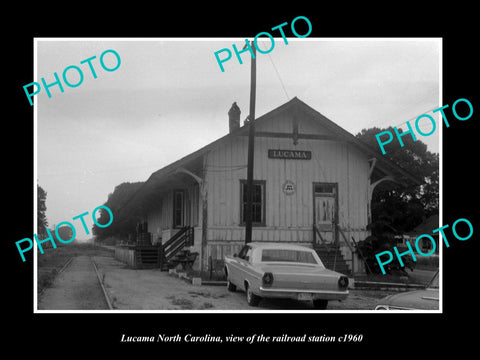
[(105, 294), (76, 287)]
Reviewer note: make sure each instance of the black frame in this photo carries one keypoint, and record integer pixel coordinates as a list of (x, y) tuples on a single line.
[(263, 184), (174, 224)]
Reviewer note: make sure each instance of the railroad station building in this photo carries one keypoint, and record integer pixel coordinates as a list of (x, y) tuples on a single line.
[(313, 184)]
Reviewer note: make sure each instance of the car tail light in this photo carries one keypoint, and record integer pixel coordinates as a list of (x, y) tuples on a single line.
[(343, 282), (267, 278)]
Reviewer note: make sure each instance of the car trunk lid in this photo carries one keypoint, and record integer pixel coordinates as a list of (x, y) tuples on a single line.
[(302, 277)]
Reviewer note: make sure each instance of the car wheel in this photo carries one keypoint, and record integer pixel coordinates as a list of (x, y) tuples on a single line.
[(230, 286), (320, 304), (252, 299)]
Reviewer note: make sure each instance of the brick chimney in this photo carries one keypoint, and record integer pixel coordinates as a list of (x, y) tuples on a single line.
[(234, 117)]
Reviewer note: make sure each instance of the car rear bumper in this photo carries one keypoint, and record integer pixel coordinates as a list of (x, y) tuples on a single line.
[(299, 294)]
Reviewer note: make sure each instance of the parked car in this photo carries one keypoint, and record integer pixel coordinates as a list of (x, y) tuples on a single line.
[(426, 299), (273, 270)]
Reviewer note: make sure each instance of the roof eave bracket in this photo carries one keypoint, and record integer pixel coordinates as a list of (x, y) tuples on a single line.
[(198, 179)]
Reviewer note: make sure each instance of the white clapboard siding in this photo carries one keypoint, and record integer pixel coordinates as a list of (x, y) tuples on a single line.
[(289, 218)]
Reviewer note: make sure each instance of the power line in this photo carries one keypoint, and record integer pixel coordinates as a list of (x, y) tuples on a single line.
[(418, 101), (415, 117), (278, 75)]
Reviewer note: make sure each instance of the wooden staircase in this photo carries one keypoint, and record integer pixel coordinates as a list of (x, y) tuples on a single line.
[(164, 256), (147, 256), (172, 251), (332, 258)]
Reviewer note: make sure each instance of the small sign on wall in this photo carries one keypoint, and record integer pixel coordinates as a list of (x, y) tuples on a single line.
[(289, 187)]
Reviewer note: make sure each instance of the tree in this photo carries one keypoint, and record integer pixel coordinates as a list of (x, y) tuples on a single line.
[(402, 208), (64, 232), (121, 226), (42, 222), (397, 209)]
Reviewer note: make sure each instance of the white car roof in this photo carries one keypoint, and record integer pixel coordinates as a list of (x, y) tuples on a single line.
[(277, 245)]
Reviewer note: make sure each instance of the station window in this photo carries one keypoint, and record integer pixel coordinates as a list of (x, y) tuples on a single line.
[(325, 188), (258, 202), (178, 208)]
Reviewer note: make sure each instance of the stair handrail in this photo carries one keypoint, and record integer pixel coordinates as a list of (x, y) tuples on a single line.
[(361, 255), (346, 240), (352, 250), (177, 242), (327, 245), (175, 237), (174, 249)]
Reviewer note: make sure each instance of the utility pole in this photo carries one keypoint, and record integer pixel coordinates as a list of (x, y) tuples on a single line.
[(251, 143)]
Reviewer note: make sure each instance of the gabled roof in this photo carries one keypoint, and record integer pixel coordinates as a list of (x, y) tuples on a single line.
[(295, 104)]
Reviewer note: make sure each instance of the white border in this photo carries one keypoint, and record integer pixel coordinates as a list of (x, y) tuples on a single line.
[(306, 312), (35, 177)]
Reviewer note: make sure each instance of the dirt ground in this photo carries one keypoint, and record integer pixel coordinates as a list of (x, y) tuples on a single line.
[(152, 289), (77, 287)]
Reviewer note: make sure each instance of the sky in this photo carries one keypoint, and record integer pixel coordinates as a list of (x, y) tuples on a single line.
[(169, 98)]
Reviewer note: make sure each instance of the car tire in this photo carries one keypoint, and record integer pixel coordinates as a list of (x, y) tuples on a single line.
[(230, 286), (252, 299), (320, 304)]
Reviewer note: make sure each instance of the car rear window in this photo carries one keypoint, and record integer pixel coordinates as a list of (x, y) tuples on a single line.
[(283, 255)]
